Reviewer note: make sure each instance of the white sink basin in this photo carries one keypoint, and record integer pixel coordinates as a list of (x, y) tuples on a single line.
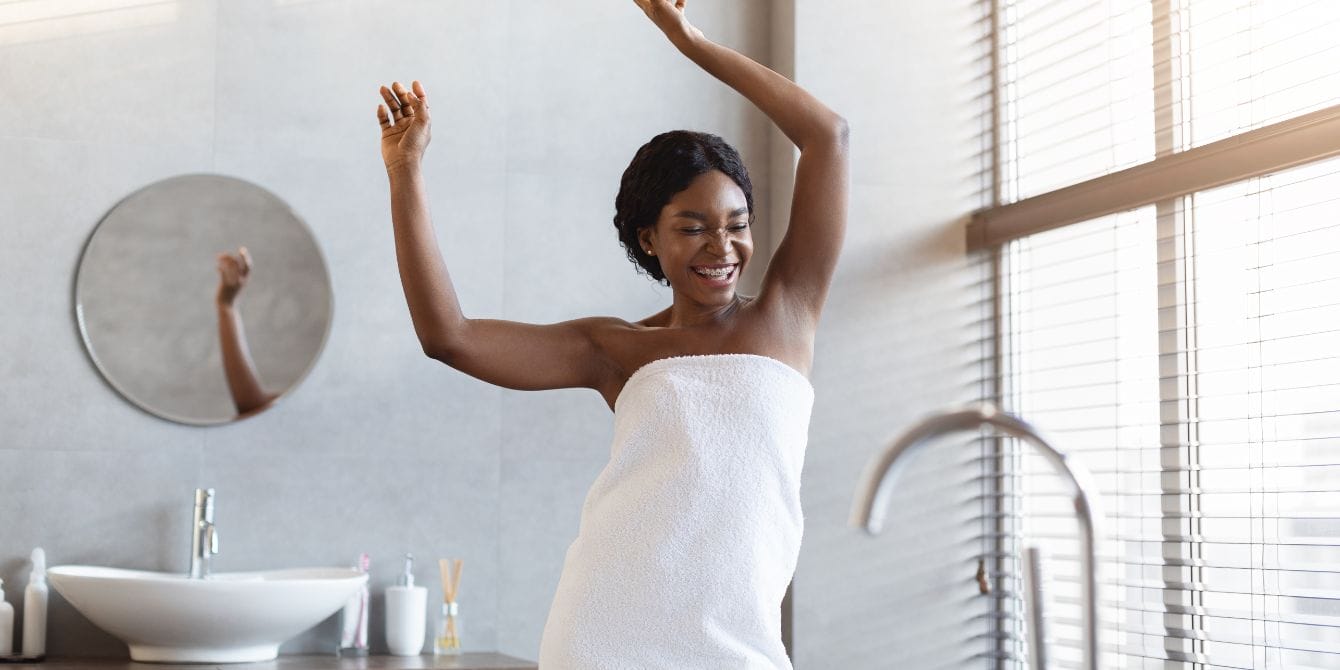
[(225, 618)]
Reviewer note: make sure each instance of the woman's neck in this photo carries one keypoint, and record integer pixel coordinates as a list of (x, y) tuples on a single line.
[(685, 313)]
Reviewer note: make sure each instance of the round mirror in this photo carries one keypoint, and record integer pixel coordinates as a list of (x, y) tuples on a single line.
[(202, 299)]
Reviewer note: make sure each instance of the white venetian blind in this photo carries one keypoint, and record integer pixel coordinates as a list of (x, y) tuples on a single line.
[(1263, 414), (1191, 361), (1182, 339), (1081, 352), (1243, 64), (1076, 91)]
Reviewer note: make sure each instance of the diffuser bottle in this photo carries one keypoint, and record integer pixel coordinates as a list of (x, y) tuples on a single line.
[(447, 641), (406, 614)]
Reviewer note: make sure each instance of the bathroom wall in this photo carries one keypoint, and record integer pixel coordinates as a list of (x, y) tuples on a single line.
[(538, 107), (901, 337)]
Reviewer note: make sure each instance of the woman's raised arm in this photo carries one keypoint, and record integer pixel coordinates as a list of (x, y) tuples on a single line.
[(244, 384), (802, 267), (506, 353)]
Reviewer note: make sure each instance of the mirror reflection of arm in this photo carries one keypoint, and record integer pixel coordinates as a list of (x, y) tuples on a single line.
[(243, 382), (507, 353)]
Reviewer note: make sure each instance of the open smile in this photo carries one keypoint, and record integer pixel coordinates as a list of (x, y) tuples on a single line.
[(717, 274)]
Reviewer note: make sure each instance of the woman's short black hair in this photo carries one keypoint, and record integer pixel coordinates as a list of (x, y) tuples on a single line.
[(663, 167)]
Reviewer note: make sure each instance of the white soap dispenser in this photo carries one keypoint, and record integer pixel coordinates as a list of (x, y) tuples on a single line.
[(406, 614), (35, 609), (6, 624)]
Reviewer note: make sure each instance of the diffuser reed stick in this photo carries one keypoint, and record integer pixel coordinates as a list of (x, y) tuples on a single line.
[(448, 639)]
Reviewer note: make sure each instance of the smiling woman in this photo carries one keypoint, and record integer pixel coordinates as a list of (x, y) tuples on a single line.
[(702, 238), (690, 535), (684, 173)]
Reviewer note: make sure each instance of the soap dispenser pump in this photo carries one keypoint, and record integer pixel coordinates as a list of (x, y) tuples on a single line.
[(406, 613)]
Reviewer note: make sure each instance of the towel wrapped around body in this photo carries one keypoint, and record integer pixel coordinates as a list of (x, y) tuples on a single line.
[(690, 534)]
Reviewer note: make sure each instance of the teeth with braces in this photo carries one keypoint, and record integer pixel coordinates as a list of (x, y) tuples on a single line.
[(716, 273)]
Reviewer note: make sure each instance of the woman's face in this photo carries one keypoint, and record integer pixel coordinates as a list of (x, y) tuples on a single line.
[(702, 239)]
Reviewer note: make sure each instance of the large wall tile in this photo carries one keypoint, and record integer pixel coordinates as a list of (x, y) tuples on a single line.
[(55, 196), (556, 425), (135, 72), (899, 338), (540, 506), (564, 260)]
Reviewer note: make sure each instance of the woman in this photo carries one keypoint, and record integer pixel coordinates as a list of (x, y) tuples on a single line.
[(689, 536)]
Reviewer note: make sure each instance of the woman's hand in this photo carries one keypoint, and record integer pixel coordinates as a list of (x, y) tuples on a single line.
[(406, 124), (668, 15), (233, 272)]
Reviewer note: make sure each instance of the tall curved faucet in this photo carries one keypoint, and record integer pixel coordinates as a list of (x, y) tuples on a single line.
[(872, 500)]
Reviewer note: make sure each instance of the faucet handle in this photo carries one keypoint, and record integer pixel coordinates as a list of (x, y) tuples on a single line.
[(213, 534)]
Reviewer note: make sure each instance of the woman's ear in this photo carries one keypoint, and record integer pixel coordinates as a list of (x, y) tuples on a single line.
[(644, 238)]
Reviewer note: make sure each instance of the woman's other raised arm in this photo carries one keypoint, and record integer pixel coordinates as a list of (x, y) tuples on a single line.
[(802, 267)]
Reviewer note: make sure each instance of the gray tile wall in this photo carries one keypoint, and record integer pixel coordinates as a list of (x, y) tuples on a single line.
[(539, 105), (538, 108), (899, 338)]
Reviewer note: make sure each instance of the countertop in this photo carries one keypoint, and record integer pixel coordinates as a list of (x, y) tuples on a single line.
[(467, 661)]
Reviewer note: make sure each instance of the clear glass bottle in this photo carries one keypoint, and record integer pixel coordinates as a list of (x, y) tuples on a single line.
[(354, 617), (447, 642)]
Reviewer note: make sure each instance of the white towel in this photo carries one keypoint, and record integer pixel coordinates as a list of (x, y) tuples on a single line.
[(689, 536)]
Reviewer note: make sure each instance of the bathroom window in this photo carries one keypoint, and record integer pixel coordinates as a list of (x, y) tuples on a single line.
[(1167, 233)]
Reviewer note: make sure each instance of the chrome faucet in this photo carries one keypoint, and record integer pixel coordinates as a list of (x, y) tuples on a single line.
[(872, 500), (204, 537)]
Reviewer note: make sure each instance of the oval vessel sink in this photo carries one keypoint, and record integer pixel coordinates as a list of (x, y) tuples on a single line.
[(225, 618)]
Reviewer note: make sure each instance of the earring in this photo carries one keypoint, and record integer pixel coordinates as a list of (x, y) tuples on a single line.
[(649, 252)]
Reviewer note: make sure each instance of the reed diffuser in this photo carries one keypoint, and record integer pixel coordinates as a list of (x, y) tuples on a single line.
[(448, 639)]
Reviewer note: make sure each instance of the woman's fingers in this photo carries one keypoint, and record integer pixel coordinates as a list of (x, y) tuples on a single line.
[(417, 106), (417, 90), (392, 102), (227, 269), (668, 15), (401, 103), (234, 268), (651, 5), (406, 98)]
